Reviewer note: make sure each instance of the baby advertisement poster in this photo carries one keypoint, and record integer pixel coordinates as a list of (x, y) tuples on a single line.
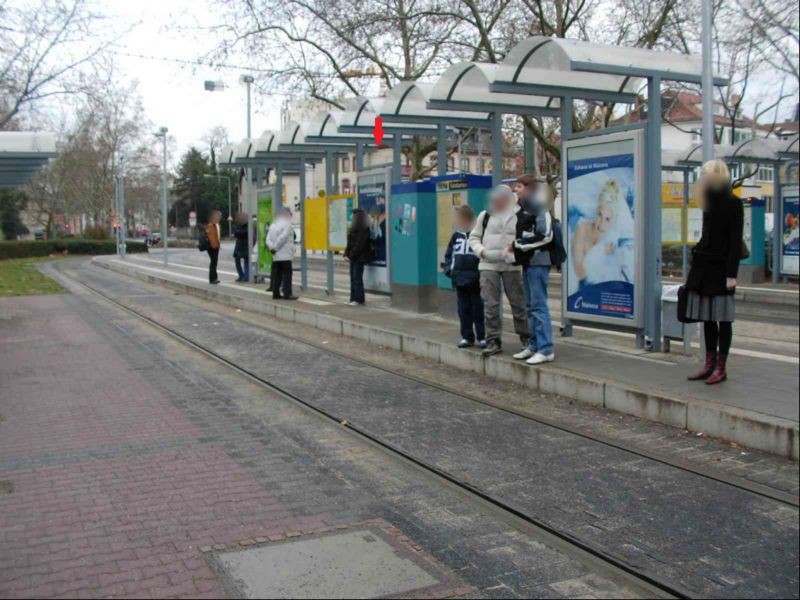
[(601, 231)]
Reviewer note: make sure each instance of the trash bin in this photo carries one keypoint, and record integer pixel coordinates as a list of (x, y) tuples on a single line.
[(671, 327)]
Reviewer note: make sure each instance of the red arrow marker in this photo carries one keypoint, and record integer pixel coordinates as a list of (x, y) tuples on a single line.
[(377, 132)]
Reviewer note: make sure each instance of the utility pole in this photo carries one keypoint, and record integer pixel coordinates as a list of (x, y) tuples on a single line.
[(121, 206), (708, 86), (162, 133)]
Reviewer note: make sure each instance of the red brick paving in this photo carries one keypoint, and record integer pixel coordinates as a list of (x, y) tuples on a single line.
[(63, 387), (127, 526)]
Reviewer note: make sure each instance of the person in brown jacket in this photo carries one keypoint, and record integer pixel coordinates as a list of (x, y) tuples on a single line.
[(212, 233)]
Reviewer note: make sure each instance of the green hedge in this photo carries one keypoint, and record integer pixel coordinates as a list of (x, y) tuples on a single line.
[(29, 248)]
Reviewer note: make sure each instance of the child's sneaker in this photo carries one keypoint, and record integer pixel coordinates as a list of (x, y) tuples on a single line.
[(482, 344), (465, 343)]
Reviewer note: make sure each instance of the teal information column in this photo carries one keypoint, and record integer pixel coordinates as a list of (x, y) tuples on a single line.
[(413, 244), (753, 269)]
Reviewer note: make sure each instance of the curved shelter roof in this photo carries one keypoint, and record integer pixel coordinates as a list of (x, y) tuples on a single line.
[(548, 53), (407, 102), (22, 154), (359, 117), (543, 65), (324, 129), (467, 85)]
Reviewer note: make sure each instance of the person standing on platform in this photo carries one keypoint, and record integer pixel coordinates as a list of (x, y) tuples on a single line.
[(532, 249), (711, 284), (360, 251), (280, 241), (213, 236), (240, 254), (492, 240), (461, 266)]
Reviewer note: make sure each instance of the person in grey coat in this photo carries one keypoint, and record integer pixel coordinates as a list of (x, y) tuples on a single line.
[(492, 241)]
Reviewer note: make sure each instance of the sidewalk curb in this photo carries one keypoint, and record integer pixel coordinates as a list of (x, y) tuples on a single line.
[(748, 428)]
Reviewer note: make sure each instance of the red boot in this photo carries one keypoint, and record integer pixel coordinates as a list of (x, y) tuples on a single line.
[(719, 375), (708, 368)]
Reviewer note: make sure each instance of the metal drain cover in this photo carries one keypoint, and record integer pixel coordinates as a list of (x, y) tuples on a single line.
[(359, 563)]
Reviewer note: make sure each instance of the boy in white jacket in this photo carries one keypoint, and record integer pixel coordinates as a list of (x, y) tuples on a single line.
[(492, 240), (280, 241)]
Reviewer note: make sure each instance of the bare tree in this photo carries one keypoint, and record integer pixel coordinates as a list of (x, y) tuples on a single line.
[(81, 180), (47, 49)]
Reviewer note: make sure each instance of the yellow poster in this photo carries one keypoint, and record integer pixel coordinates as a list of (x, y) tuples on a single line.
[(449, 195), (316, 237)]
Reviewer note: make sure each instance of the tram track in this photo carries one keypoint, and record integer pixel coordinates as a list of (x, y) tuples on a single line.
[(652, 583)]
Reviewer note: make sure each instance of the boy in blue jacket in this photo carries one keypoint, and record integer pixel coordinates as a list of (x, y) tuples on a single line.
[(461, 265)]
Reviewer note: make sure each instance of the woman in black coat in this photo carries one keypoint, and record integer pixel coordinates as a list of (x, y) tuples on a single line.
[(711, 283), (359, 251), (240, 253)]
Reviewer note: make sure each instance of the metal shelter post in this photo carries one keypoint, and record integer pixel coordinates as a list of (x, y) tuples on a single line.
[(497, 148), (397, 154), (301, 171), (652, 218), (252, 264), (685, 247), (359, 157), (529, 150), (328, 192), (566, 133), (164, 226), (777, 220), (441, 150)]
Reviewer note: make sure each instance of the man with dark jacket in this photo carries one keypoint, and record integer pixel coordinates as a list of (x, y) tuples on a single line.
[(461, 265), (531, 250)]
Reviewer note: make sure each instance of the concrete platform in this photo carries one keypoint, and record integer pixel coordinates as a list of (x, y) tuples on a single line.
[(757, 407)]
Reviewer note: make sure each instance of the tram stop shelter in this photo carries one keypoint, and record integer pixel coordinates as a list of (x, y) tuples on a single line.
[(22, 154), (550, 73)]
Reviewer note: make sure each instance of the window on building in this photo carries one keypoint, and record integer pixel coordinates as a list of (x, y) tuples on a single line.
[(464, 164), (740, 135), (481, 165), (346, 164), (451, 164), (766, 173), (346, 186)]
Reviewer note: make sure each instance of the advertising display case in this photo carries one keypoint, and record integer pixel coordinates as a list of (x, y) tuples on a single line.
[(603, 229)]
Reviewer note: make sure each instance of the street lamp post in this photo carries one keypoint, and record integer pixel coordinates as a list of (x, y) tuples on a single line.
[(213, 86), (162, 133), (248, 81)]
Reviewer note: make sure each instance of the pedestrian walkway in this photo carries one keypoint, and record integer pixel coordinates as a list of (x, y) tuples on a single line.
[(757, 407)]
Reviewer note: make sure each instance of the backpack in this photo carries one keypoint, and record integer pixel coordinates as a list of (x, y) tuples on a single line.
[(558, 254), (202, 241)]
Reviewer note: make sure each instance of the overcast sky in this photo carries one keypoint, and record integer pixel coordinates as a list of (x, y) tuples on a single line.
[(172, 92)]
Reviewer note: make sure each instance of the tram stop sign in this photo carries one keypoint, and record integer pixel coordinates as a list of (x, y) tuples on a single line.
[(192, 219)]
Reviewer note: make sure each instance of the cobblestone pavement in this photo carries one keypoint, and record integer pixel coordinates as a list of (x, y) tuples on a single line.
[(715, 539), (126, 458)]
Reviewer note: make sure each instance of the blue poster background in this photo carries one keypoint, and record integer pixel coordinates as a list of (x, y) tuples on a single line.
[(790, 235), (601, 280), (372, 200)]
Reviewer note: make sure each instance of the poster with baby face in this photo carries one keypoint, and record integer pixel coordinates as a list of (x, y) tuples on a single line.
[(600, 230)]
